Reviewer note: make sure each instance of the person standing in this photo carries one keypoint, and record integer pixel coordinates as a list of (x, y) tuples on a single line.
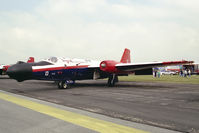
[(185, 73), (181, 73), (158, 73), (189, 73)]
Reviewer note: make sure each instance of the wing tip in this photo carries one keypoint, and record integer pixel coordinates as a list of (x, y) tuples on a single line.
[(178, 62)]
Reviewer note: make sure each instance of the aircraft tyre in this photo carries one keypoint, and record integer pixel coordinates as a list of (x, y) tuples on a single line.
[(116, 79), (63, 85), (112, 80), (59, 84)]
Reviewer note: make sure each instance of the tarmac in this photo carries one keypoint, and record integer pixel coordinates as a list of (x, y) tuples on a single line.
[(20, 114), (152, 107)]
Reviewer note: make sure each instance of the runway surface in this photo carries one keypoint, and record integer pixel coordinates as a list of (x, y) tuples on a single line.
[(22, 114), (171, 106)]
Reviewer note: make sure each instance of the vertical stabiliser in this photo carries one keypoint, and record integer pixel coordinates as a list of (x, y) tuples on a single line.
[(126, 56)]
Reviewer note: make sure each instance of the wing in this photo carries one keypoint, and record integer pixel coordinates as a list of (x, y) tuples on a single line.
[(140, 66)]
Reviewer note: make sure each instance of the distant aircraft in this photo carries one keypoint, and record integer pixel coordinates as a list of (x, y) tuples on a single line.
[(65, 71), (31, 60), (1, 69), (4, 68)]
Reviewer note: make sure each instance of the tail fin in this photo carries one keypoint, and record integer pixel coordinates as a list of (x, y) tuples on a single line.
[(126, 56), (31, 60)]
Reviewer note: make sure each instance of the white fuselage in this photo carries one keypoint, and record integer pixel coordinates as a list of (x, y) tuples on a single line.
[(66, 62)]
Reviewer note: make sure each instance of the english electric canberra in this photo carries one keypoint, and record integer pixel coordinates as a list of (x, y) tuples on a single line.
[(65, 71)]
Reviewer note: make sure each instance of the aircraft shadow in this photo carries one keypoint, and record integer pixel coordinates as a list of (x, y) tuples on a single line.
[(119, 85), (39, 86), (4, 78)]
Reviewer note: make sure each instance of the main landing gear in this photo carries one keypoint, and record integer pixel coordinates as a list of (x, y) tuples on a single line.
[(65, 84), (112, 79)]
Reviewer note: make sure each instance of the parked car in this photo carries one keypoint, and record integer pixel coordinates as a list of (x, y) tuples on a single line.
[(168, 73)]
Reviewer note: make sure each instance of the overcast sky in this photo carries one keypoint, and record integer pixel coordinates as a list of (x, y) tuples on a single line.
[(154, 30)]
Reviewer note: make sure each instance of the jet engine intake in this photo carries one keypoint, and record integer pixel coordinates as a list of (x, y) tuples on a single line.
[(108, 66)]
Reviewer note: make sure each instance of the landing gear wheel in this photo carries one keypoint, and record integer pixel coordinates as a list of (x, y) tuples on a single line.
[(63, 85), (116, 79), (59, 84), (112, 80)]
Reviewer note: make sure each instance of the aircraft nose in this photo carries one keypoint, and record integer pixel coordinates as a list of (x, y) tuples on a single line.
[(20, 72)]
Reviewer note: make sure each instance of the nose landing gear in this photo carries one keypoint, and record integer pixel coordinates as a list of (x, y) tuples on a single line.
[(65, 84)]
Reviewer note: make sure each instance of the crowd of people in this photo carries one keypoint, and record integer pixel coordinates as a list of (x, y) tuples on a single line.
[(185, 73), (156, 73)]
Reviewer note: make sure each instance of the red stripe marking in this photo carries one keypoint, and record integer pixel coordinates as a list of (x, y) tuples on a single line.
[(59, 68)]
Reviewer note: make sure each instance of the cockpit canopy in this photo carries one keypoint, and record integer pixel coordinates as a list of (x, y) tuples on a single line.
[(60, 60), (52, 59)]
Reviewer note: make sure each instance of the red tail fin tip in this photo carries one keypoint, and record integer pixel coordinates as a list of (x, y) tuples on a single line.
[(126, 56)]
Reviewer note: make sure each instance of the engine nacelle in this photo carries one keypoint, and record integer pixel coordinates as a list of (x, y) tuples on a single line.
[(108, 66)]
